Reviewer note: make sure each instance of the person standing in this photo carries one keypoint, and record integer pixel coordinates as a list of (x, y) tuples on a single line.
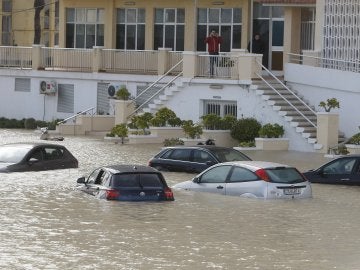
[(213, 42), (258, 46)]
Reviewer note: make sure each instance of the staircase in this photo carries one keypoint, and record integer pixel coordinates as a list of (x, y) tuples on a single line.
[(289, 105)]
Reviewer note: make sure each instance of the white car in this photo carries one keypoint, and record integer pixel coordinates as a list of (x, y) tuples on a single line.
[(256, 179)]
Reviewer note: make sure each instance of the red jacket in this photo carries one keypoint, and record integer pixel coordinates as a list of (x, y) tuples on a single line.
[(213, 43)]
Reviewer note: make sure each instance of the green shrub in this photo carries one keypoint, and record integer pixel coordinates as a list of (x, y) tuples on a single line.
[(330, 103), (173, 141), (247, 144), (271, 131), (227, 122), (164, 117), (191, 129), (123, 93), (355, 139), (141, 121), (211, 121), (30, 123), (245, 129)]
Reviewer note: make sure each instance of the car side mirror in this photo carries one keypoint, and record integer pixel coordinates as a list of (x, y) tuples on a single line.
[(81, 180), (196, 180), (210, 162)]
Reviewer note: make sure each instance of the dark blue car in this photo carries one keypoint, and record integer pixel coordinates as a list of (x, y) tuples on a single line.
[(126, 183)]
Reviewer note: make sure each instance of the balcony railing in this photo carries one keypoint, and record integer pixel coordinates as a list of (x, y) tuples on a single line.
[(16, 57), (236, 65)]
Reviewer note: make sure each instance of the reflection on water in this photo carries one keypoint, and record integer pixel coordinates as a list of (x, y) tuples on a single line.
[(47, 224)]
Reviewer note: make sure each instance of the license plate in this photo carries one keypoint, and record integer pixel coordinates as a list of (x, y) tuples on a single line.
[(292, 191)]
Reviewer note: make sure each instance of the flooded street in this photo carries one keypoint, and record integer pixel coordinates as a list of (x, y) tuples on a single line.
[(47, 224)]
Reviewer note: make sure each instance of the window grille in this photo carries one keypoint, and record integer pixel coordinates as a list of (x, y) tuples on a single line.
[(221, 108), (22, 85)]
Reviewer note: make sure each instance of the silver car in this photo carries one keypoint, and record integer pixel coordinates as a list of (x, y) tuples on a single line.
[(256, 179)]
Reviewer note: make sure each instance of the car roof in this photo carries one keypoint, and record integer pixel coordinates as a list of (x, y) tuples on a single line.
[(210, 147), (29, 145), (255, 165), (129, 168)]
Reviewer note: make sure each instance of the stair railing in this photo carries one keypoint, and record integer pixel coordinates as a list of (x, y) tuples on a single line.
[(154, 95), (284, 98), (158, 80), (76, 115)]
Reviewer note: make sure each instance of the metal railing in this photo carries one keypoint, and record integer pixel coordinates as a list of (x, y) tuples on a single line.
[(220, 66), (129, 61), (283, 97), (19, 57), (67, 59), (316, 61), (154, 84), (84, 112)]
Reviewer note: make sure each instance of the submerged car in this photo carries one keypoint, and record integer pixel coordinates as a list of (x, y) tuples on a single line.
[(255, 179), (343, 170), (21, 157), (127, 183), (194, 159)]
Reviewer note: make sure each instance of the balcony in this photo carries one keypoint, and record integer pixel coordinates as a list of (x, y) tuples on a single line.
[(235, 65)]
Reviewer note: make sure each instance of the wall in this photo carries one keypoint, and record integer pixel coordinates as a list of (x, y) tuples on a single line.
[(318, 84)]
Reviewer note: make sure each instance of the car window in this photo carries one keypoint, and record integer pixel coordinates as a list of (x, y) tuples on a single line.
[(53, 153), (37, 154), (229, 154), (202, 156), (242, 175), (93, 176), (150, 180), (181, 154), (12, 154), (340, 166), (284, 175), (216, 175), (125, 180), (167, 154)]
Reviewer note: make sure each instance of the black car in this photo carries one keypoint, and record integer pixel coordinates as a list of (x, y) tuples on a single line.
[(343, 170), (194, 159), (21, 157), (126, 183)]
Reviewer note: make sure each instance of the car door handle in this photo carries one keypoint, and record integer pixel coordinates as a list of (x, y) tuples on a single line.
[(219, 187), (345, 179)]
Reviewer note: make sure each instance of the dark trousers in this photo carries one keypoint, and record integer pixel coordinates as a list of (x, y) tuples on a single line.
[(213, 61)]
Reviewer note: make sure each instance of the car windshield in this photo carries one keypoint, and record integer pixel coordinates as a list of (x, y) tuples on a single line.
[(136, 180), (11, 154), (225, 155), (284, 175)]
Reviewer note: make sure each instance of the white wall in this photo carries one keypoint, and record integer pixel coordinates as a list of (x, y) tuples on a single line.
[(318, 84)]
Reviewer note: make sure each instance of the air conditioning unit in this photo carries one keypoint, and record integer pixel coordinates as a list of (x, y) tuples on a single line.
[(112, 89), (48, 87)]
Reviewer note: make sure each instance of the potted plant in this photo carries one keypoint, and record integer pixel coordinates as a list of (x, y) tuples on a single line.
[(245, 130), (270, 138), (122, 93), (329, 104)]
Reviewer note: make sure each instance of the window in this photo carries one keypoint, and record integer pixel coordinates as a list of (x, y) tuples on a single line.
[(220, 108), (6, 30), (181, 154), (216, 175), (53, 153), (226, 21), (341, 166), (242, 175), (202, 156), (84, 27), (307, 31), (6, 5), (22, 85), (150, 180), (130, 29), (93, 176), (65, 98), (169, 28)]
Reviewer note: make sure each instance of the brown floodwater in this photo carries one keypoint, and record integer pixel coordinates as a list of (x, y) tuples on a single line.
[(47, 224)]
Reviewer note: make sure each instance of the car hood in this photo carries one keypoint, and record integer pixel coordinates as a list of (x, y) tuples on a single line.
[(4, 166), (184, 185)]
